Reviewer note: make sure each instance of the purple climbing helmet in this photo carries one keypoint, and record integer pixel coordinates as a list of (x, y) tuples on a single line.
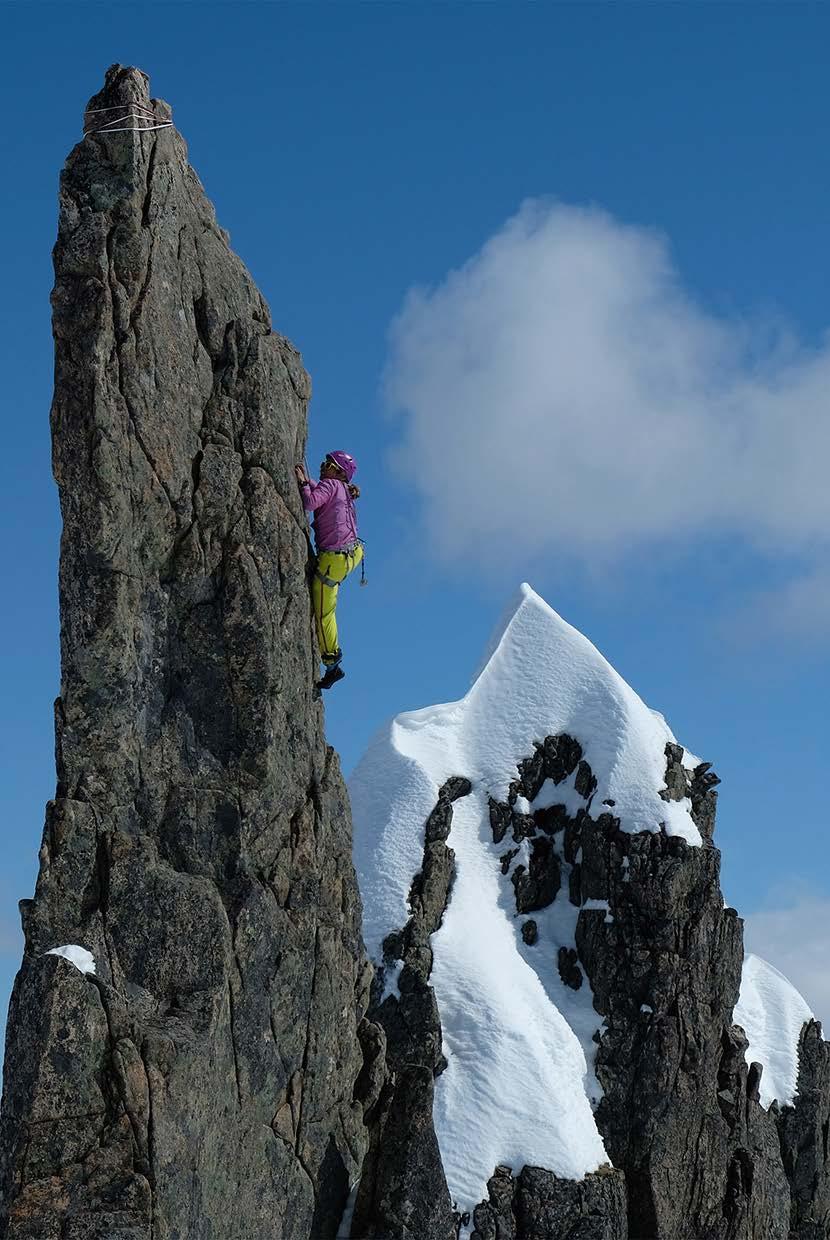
[(345, 462)]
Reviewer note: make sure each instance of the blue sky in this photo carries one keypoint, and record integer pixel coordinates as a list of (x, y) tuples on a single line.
[(673, 255)]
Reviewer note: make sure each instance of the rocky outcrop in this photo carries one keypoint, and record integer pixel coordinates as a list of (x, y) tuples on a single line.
[(804, 1131), (201, 1084), (537, 1205), (680, 1114), (700, 1155), (403, 1190)]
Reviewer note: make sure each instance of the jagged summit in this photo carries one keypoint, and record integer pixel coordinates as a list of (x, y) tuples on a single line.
[(558, 974), (542, 677), (517, 1036), (123, 84), (123, 101), (557, 681)]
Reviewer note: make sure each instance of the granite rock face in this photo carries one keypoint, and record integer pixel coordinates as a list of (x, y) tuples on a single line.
[(201, 1084)]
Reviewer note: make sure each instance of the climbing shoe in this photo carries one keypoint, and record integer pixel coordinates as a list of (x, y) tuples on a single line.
[(331, 677)]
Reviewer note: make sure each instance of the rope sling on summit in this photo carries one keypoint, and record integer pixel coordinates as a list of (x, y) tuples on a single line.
[(338, 549)]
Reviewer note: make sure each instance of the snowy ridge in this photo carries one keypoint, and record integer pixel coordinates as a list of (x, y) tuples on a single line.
[(519, 1087), (771, 1013)]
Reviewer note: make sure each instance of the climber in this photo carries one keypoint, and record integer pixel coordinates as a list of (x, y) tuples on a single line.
[(339, 550)]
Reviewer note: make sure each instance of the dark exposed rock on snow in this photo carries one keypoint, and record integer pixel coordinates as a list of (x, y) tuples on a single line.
[(537, 884), (199, 841), (569, 969)]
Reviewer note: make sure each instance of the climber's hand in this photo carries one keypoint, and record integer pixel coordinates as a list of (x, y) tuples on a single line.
[(301, 474), (354, 490)]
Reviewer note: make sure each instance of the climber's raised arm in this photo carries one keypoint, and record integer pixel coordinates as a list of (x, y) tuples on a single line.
[(315, 494)]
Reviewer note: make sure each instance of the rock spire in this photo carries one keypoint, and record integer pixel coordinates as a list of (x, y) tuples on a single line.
[(201, 1081)]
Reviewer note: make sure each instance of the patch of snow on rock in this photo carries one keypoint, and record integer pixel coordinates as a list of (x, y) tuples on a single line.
[(601, 906), (391, 978), (82, 959), (344, 1231)]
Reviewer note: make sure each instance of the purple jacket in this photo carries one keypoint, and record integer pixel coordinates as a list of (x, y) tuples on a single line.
[(335, 520)]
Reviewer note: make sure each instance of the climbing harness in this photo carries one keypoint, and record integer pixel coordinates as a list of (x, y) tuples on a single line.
[(113, 125), (327, 581), (347, 551)]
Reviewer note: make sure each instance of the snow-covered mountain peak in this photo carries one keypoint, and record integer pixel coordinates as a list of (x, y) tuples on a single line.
[(543, 677), (553, 957), (516, 1023)]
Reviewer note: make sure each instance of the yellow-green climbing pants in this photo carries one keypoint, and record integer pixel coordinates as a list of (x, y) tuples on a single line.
[(332, 568)]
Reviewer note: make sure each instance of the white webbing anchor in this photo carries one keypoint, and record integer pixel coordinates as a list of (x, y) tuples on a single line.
[(129, 112)]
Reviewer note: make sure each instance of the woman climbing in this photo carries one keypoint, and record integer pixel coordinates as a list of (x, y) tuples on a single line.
[(339, 550)]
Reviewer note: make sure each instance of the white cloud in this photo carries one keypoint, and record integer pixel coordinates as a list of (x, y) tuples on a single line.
[(561, 392), (796, 939)]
